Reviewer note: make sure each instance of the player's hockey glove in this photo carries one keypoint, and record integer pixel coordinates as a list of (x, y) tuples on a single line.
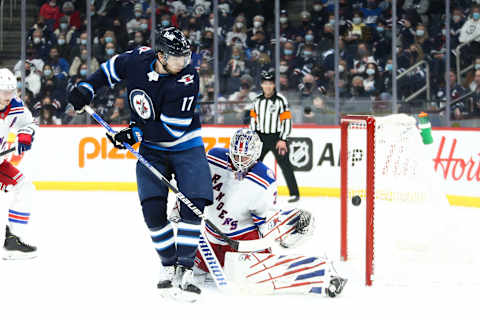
[(24, 142), (130, 135), (79, 97)]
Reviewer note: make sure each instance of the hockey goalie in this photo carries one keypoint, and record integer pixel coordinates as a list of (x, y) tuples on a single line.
[(245, 209)]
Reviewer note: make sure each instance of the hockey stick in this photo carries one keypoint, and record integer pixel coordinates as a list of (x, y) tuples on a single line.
[(204, 247), (7, 151)]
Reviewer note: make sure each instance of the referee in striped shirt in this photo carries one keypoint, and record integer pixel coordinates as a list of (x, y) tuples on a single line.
[(270, 117)]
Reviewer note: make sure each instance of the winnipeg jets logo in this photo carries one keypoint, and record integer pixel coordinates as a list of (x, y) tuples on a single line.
[(142, 104), (187, 79), (143, 49)]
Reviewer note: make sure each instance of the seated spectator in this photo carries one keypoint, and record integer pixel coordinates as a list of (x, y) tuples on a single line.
[(137, 41), (373, 82), (381, 42), (319, 14), (407, 32), (72, 16), (362, 58), (63, 47), (234, 69), (47, 115), (32, 78), (49, 11), (100, 49), (122, 36), (371, 13), (419, 6), (59, 65), (239, 32), (80, 45), (356, 33), (110, 51), (476, 97), (243, 94), (135, 23), (357, 88), (18, 76), (40, 44), (459, 110), (82, 59), (120, 114), (206, 78), (286, 30), (471, 32)]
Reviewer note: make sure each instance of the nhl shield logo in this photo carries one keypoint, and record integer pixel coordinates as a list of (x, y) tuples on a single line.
[(142, 104), (300, 153)]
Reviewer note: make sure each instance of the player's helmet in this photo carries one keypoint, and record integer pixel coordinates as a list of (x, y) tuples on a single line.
[(8, 85), (174, 46), (245, 149), (267, 75)]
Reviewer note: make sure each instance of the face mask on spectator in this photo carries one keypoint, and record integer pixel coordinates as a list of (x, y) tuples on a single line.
[(370, 72), (53, 3), (317, 7), (47, 72), (83, 42), (36, 40), (380, 29), (283, 68), (212, 21), (477, 66), (456, 18), (389, 67), (144, 26), (341, 68), (108, 39), (84, 56), (287, 51), (283, 19), (420, 33), (19, 84), (444, 32), (307, 53), (61, 42), (138, 14), (357, 20), (138, 40), (476, 16), (110, 51), (235, 57), (63, 26), (239, 25), (331, 21), (257, 24), (83, 72), (165, 23), (308, 37)]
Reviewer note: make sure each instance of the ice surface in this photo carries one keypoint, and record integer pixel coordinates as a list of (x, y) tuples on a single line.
[(96, 261)]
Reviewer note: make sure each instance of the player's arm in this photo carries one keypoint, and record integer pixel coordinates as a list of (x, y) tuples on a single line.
[(285, 120), (25, 128), (110, 73)]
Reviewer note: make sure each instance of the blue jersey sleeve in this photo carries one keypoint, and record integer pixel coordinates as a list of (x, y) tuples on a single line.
[(114, 70)]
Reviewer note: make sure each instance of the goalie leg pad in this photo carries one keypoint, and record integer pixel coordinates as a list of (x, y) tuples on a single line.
[(262, 273)]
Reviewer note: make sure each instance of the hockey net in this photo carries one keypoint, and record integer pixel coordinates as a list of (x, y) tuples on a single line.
[(394, 234)]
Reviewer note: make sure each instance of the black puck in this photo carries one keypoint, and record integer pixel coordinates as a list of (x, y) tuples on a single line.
[(356, 200)]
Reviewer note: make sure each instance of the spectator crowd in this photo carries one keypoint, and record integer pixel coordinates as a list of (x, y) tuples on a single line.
[(57, 52)]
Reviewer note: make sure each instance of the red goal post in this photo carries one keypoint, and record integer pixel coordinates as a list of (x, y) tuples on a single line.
[(367, 123)]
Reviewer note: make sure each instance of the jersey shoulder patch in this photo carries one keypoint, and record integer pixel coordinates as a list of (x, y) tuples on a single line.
[(261, 175), (219, 157)]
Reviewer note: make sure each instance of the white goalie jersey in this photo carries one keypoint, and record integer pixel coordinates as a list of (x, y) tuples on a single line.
[(16, 117), (239, 206)]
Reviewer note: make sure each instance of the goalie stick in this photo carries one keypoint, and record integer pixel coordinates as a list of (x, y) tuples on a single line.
[(205, 249), (7, 151)]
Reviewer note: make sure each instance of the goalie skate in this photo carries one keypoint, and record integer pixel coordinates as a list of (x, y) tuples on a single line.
[(16, 249), (336, 286)]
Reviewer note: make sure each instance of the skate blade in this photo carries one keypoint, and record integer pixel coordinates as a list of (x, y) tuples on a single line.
[(16, 255)]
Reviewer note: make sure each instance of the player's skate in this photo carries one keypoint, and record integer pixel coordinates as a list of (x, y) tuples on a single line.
[(16, 249), (336, 286), (189, 291), (167, 282)]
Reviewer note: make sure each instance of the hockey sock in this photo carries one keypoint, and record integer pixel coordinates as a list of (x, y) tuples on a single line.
[(20, 208), (188, 233), (161, 230)]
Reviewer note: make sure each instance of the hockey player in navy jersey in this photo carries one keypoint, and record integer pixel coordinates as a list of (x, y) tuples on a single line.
[(162, 88)]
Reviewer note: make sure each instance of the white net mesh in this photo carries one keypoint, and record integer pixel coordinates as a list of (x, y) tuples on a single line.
[(411, 212)]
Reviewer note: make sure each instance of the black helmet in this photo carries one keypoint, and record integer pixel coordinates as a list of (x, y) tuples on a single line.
[(172, 41), (267, 75)]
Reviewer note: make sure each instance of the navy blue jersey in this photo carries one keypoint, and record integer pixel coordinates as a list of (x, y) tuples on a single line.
[(162, 104)]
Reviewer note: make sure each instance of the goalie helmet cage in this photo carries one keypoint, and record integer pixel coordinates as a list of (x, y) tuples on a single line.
[(383, 160)]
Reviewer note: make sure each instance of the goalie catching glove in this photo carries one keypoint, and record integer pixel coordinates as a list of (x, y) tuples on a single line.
[(130, 135)]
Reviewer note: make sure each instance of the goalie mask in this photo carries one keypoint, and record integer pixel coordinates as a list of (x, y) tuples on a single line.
[(245, 149), (8, 86)]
